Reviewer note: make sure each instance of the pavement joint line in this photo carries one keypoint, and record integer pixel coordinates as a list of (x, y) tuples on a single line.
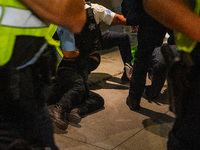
[(129, 138), (139, 130), (83, 142)]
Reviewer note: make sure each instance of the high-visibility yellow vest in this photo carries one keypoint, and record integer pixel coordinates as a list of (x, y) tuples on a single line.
[(15, 20), (51, 32), (183, 42)]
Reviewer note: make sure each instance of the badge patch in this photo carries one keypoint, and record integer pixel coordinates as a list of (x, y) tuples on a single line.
[(99, 8), (108, 12), (92, 27)]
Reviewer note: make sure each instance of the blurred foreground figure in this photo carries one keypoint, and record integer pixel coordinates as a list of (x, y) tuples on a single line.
[(26, 62), (183, 71)]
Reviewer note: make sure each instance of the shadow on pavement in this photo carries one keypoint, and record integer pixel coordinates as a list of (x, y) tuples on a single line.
[(158, 123), (105, 81), (161, 99)]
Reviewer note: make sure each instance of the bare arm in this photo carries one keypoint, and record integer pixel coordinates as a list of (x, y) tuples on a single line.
[(67, 13), (118, 20), (175, 15)]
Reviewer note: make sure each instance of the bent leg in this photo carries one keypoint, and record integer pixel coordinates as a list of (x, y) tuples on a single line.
[(93, 103), (111, 39)]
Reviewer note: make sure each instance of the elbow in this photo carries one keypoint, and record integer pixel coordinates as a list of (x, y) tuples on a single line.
[(75, 24), (78, 25)]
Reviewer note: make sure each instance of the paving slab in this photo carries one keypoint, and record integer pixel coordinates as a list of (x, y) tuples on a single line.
[(152, 137), (116, 127)]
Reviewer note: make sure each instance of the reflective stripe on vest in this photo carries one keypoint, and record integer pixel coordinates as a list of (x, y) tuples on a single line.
[(51, 32), (183, 42), (1, 9), (21, 18), (16, 20)]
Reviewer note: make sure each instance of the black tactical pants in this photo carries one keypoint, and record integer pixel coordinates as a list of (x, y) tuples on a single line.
[(70, 89), (150, 36), (23, 109), (185, 134)]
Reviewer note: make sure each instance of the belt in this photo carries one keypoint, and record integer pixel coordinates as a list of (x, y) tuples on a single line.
[(21, 18)]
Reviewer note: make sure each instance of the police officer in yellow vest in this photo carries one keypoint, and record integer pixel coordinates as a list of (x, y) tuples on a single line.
[(183, 71), (26, 63)]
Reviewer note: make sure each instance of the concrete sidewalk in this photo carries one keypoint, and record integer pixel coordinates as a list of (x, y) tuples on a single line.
[(116, 127)]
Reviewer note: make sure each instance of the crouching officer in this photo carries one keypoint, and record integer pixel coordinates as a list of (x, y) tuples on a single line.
[(24, 54), (25, 67)]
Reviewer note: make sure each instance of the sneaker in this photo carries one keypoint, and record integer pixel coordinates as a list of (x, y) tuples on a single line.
[(58, 117), (129, 70), (132, 104), (73, 117)]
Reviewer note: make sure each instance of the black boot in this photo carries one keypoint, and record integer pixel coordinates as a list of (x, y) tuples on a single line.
[(74, 116), (133, 104), (58, 117)]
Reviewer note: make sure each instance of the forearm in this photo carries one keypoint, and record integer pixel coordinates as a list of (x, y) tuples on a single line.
[(175, 15), (67, 13), (119, 20)]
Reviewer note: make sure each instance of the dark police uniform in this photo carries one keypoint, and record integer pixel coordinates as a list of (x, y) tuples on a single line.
[(25, 68), (185, 134), (150, 35)]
